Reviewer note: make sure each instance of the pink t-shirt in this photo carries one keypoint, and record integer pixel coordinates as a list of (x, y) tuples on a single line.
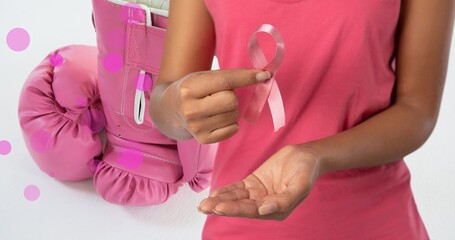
[(337, 71)]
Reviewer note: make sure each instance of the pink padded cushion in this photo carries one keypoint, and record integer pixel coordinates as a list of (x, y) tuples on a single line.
[(121, 187), (60, 113), (137, 174)]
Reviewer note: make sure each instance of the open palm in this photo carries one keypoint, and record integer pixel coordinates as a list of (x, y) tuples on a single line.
[(270, 192)]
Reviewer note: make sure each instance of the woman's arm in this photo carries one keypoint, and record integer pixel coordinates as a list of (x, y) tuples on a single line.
[(190, 41), (188, 100), (423, 46), (189, 47), (285, 179)]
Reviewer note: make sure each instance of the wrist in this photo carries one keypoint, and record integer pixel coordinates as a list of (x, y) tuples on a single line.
[(164, 115), (316, 153)]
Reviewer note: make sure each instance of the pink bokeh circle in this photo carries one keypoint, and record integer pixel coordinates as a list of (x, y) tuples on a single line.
[(147, 86), (18, 39), (5, 147), (31, 192), (94, 119), (56, 60)]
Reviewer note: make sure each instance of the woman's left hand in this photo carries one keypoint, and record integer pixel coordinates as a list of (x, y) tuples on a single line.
[(272, 191)]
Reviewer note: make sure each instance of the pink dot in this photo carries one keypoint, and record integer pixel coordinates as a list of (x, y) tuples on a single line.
[(147, 82), (113, 62), (41, 141), (31, 192), (18, 39), (52, 174), (56, 60), (5, 147), (130, 159), (94, 119)]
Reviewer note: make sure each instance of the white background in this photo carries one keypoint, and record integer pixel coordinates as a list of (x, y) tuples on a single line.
[(75, 211)]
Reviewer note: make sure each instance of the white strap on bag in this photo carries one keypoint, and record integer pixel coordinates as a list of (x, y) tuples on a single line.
[(139, 99)]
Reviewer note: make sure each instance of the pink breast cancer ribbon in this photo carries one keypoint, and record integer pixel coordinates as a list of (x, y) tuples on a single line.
[(268, 90)]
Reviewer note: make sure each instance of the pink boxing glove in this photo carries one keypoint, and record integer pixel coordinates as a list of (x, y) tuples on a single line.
[(61, 115), (197, 162), (140, 165)]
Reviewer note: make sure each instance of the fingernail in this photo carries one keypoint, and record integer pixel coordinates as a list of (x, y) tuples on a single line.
[(201, 211), (218, 213), (268, 209), (262, 76)]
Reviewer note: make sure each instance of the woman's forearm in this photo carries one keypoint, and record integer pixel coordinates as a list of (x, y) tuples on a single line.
[(189, 47), (386, 137), (423, 45)]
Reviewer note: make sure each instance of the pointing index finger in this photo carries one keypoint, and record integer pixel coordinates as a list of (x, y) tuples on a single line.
[(224, 80)]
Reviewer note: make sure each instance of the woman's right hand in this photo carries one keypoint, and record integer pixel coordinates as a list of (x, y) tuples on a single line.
[(202, 105)]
